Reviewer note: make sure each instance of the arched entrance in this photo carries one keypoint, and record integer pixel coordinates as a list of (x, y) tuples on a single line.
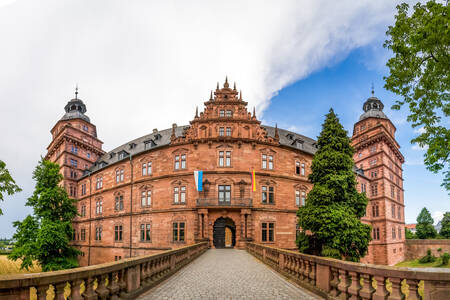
[(224, 233)]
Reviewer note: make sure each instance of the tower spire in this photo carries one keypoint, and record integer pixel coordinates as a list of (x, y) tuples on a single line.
[(240, 95), (196, 112), (277, 136), (234, 88), (254, 112), (211, 96), (225, 85), (217, 86), (373, 92), (76, 91)]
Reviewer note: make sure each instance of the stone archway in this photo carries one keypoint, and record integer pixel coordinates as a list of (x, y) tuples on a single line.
[(224, 233)]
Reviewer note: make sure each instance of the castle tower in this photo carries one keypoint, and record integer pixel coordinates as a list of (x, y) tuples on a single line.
[(74, 146), (377, 154)]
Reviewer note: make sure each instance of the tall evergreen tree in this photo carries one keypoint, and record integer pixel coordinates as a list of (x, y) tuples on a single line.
[(445, 223), (45, 235), (7, 183), (424, 227), (330, 220)]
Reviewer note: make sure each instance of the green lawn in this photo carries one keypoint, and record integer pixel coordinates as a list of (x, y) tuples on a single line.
[(416, 264)]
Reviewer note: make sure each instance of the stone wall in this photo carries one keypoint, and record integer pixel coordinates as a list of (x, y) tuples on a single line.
[(418, 248)]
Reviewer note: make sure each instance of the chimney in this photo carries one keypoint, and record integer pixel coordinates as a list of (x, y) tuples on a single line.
[(155, 130)]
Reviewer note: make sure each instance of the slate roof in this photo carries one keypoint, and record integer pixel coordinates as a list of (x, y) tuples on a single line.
[(162, 138)]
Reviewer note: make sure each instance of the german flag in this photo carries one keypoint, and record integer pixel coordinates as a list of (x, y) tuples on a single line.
[(253, 181)]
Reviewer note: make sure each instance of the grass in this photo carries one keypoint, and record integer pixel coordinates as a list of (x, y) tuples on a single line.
[(416, 264), (13, 267)]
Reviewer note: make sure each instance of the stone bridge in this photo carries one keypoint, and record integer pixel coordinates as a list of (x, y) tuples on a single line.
[(260, 272)]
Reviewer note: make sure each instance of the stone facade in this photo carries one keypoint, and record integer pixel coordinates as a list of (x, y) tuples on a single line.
[(141, 197), (418, 248)]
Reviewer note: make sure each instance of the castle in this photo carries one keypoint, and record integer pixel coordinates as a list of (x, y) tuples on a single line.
[(225, 178)]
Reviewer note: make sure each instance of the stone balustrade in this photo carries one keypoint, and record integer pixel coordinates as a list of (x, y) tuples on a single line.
[(124, 279), (336, 279)]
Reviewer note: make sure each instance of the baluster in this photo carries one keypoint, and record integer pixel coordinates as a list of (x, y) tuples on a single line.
[(312, 273), (89, 292), (101, 290), (343, 285), (307, 270), (113, 285), (396, 293), (59, 290), (381, 293), (75, 289), (143, 273), (334, 283), (367, 289), (413, 287), (355, 285), (297, 268), (287, 264), (41, 292), (121, 281), (151, 278)]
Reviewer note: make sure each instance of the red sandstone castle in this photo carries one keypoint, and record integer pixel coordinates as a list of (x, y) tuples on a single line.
[(141, 197)]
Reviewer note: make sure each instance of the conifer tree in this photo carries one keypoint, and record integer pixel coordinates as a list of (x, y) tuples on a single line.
[(330, 220), (424, 227), (445, 223), (45, 235)]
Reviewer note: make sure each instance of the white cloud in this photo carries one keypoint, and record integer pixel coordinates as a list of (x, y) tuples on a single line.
[(437, 216), (146, 64), (417, 147), (420, 130)]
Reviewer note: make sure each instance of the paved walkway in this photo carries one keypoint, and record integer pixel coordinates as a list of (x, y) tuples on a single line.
[(226, 274)]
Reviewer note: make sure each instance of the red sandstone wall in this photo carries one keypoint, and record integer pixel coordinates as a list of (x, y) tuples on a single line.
[(418, 248)]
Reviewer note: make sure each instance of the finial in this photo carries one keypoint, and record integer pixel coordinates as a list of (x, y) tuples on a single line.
[(217, 86), (240, 95), (373, 92), (254, 112), (234, 88), (210, 96), (76, 91), (277, 136), (226, 82), (196, 112)]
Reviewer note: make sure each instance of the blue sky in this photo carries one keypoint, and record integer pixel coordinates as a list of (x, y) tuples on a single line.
[(345, 86)]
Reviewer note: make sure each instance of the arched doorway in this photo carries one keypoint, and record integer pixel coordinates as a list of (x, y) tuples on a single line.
[(224, 233)]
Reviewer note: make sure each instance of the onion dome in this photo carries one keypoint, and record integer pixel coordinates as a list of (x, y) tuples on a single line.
[(373, 108)]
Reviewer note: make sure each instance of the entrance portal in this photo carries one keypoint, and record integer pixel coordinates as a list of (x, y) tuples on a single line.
[(224, 234)]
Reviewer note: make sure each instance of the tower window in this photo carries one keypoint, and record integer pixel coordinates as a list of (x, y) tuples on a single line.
[(221, 113), (178, 231), (85, 128), (118, 233), (228, 131), (221, 131), (229, 113)]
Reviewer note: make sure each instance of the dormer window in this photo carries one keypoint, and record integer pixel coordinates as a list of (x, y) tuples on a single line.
[(123, 154), (149, 144), (112, 154), (290, 136), (132, 145), (299, 144)]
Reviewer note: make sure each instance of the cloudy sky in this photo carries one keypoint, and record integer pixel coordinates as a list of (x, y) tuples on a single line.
[(146, 64)]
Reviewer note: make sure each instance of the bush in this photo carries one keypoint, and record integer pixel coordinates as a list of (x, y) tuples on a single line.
[(445, 258), (427, 258)]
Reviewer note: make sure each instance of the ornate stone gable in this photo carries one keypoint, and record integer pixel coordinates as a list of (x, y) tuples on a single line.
[(225, 118)]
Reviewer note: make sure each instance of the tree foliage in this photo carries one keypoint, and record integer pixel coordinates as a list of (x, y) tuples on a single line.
[(445, 223), (419, 73), (409, 234), (424, 227), (330, 220), (7, 183), (45, 235)]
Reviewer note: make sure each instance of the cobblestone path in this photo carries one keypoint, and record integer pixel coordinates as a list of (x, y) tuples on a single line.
[(226, 274)]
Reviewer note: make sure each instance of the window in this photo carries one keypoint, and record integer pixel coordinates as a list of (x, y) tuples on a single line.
[(179, 194), (399, 233), (392, 191), (85, 128), (146, 198), (119, 175), (376, 233), (297, 168), (83, 234), (88, 155), (73, 174), (74, 149), (221, 113), (375, 211), (98, 233), (374, 174), (224, 158), (229, 113), (399, 212), (72, 191), (98, 207), (373, 162), (83, 189), (373, 149), (116, 258), (267, 231), (267, 161), (391, 177), (359, 155), (118, 233), (398, 194), (228, 131), (393, 233), (178, 231), (147, 168), (393, 210), (83, 210), (302, 169), (73, 162), (224, 193), (267, 194), (180, 161), (221, 131), (145, 232), (118, 203), (374, 189), (363, 187), (99, 183)]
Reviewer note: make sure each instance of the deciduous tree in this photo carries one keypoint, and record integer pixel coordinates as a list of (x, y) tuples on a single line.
[(330, 220), (419, 74), (445, 223), (45, 236), (7, 183)]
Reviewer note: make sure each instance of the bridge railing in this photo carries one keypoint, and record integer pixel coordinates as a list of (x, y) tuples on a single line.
[(124, 279), (332, 278)]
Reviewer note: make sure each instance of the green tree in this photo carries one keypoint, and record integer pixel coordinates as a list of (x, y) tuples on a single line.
[(445, 223), (424, 227), (45, 235), (409, 234), (330, 220), (7, 183), (419, 73)]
